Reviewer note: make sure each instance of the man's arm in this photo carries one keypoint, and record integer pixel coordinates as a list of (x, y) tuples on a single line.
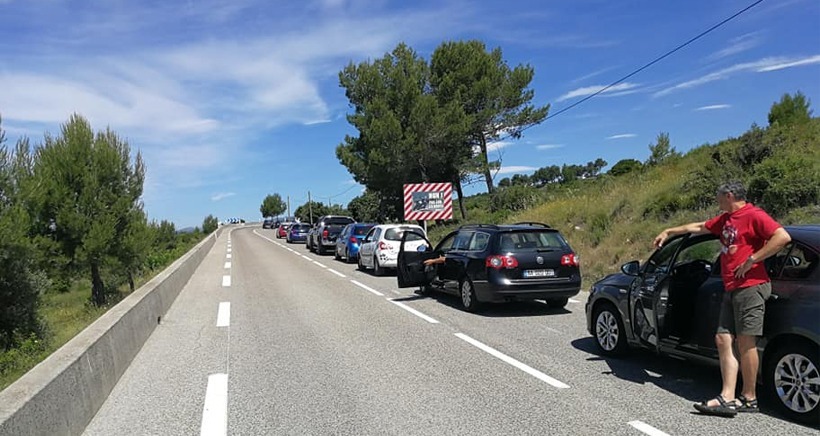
[(776, 243), (694, 228)]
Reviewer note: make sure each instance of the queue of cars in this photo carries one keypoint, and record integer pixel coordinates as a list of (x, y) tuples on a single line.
[(668, 304)]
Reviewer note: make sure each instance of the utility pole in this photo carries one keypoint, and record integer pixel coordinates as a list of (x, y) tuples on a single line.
[(310, 208), (289, 205)]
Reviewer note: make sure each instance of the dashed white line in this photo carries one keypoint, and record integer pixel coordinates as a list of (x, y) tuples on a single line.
[(229, 250), (336, 272), (307, 258), (228, 256), (413, 311), (552, 329), (646, 428), (227, 265), (215, 412), (367, 288), (226, 281), (317, 263), (296, 253), (572, 300), (522, 366), (223, 315)]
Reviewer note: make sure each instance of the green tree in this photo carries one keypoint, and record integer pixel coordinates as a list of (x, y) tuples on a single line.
[(165, 232), (661, 150), (545, 175), (624, 166), (365, 207), (790, 110), (310, 212), (494, 97), (210, 223), (135, 245), (89, 188), (272, 205)]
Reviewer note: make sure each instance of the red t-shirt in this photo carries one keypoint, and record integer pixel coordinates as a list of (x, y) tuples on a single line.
[(742, 233)]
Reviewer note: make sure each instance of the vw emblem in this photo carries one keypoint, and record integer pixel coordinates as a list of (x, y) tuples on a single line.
[(540, 260)]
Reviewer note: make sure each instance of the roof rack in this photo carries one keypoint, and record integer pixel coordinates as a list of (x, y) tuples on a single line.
[(475, 226), (532, 223)]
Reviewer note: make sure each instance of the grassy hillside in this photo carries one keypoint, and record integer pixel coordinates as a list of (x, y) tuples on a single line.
[(611, 220)]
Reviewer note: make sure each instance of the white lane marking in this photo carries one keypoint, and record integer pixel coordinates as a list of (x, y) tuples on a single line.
[(317, 263), (646, 428), (572, 300), (226, 281), (263, 237), (336, 272), (296, 253), (289, 249), (413, 311), (522, 366), (307, 258), (215, 412), (552, 329), (227, 265), (223, 315), (229, 250), (367, 288), (228, 256), (396, 291)]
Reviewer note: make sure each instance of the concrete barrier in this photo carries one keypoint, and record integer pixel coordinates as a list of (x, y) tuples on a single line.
[(62, 394)]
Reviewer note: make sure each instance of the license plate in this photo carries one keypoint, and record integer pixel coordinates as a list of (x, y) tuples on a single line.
[(539, 273)]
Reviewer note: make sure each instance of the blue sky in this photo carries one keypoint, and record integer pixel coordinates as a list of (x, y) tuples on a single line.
[(229, 100)]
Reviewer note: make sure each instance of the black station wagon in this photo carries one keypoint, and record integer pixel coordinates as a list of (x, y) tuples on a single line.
[(496, 263), (671, 304)]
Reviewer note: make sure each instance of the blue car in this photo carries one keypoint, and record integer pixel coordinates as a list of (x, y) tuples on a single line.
[(349, 241), (297, 233)]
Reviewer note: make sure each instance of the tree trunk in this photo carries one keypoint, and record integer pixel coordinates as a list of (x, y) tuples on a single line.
[(460, 199), (131, 281), (485, 164), (97, 286)]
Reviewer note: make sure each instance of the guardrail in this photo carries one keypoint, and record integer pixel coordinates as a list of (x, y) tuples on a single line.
[(63, 393)]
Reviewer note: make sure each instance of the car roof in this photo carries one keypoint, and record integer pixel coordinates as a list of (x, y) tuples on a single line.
[(393, 226), (806, 233), (510, 227)]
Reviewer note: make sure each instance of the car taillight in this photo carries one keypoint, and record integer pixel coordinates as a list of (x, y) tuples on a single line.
[(383, 246), (353, 240), (324, 233), (499, 262), (570, 260)]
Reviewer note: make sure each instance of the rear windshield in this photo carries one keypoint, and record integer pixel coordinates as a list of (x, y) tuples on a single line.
[(337, 221), (531, 240), (361, 230), (301, 226), (396, 233)]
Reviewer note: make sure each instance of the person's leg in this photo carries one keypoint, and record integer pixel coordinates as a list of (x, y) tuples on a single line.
[(749, 362), (728, 367), (750, 308)]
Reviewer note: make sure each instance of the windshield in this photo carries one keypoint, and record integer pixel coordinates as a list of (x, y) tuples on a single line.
[(396, 233), (532, 241)]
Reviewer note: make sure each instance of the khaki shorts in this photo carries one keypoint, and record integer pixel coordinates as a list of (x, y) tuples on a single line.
[(742, 310)]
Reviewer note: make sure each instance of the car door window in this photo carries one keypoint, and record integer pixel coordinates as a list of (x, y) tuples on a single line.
[(369, 236), (661, 259), (799, 264), (479, 241), (462, 241), (447, 243), (706, 250)]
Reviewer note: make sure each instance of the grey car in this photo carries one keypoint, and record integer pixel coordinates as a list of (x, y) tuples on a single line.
[(670, 304)]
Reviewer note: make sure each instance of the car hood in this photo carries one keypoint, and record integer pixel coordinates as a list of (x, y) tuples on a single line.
[(618, 280)]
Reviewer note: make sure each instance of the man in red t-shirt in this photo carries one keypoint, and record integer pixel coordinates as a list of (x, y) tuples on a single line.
[(749, 235)]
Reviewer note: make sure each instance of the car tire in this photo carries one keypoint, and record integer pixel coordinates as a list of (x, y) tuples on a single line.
[(557, 303), (788, 391), (466, 292), (320, 249), (610, 336), (347, 256), (377, 269), (336, 254), (360, 264)]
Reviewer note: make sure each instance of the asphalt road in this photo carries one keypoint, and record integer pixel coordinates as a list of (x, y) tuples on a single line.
[(269, 339)]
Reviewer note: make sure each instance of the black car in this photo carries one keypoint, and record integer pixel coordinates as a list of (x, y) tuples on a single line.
[(267, 223), (497, 263), (671, 304)]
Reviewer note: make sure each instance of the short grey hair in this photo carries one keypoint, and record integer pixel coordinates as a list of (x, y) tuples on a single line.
[(736, 188)]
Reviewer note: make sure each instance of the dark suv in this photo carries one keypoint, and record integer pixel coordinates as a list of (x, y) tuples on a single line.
[(497, 263)]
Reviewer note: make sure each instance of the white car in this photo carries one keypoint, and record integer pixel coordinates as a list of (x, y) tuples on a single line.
[(380, 247)]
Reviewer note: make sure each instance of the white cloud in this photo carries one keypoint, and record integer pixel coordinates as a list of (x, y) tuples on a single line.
[(548, 146), (622, 136), (591, 75), (589, 90), (498, 145), (763, 65), (516, 169), (738, 45), (222, 196), (714, 107)]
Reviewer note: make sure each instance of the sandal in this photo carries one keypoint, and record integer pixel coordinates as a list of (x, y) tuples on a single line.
[(724, 408), (747, 406)]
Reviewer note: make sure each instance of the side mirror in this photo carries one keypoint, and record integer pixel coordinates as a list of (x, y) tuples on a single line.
[(631, 268)]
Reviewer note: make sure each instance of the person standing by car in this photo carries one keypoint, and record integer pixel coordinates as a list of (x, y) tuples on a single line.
[(748, 235)]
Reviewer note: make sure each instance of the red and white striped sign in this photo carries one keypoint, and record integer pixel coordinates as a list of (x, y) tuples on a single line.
[(428, 201)]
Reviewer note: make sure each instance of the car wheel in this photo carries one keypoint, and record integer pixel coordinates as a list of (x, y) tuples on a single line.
[(791, 376), (377, 269), (557, 303), (336, 254), (609, 330), (361, 265), (347, 256), (320, 249), (467, 293)]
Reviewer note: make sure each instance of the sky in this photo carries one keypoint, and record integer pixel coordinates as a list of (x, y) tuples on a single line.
[(231, 100)]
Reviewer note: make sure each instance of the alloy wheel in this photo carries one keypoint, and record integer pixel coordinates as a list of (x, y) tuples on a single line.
[(606, 330), (797, 382)]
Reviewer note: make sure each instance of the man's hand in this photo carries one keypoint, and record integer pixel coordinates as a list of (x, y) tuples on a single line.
[(741, 270), (429, 262), (660, 239)]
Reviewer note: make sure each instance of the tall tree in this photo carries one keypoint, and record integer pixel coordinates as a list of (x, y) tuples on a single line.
[(494, 97), (273, 205), (310, 212), (210, 223), (135, 244), (89, 188), (365, 207), (790, 110), (661, 150)]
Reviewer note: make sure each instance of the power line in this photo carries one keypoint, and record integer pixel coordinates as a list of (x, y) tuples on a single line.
[(655, 61)]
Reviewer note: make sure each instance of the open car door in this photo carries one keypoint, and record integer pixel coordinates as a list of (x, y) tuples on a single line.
[(410, 269)]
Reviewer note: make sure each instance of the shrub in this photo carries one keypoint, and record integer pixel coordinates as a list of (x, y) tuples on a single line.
[(515, 198)]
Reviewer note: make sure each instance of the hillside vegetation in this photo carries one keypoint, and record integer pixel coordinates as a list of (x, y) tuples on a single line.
[(610, 219)]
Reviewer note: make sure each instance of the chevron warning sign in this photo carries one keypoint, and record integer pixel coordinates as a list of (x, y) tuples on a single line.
[(428, 201)]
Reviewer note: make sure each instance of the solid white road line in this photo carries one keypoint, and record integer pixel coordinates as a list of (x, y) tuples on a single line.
[(336, 272), (228, 256), (646, 428), (317, 263), (367, 288), (227, 265), (226, 281), (296, 253), (215, 412), (413, 311), (523, 367), (572, 300), (223, 315), (307, 258)]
